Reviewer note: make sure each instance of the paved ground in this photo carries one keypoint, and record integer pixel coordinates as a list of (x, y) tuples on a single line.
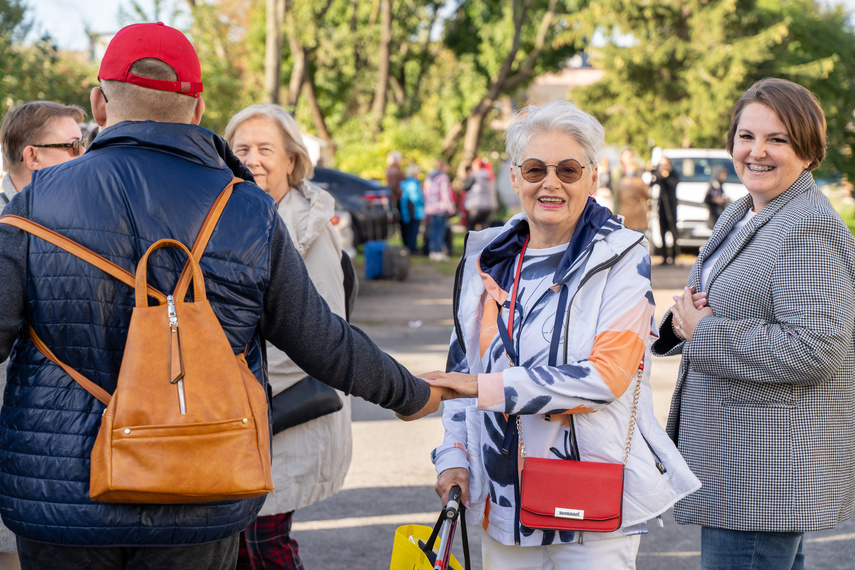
[(390, 482), (391, 479)]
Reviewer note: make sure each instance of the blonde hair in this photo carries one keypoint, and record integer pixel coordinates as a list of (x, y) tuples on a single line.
[(294, 145)]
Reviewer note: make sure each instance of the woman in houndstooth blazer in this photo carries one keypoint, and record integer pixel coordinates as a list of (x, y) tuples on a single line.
[(764, 407)]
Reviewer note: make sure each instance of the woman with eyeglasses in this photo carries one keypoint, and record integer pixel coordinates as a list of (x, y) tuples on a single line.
[(553, 319)]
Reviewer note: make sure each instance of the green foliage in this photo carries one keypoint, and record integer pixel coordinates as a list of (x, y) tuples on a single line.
[(443, 68), (171, 12), (674, 68), (414, 139), (37, 71), (227, 66)]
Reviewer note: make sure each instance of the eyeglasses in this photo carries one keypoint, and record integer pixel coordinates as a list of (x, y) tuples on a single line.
[(77, 147), (101, 89), (568, 170)]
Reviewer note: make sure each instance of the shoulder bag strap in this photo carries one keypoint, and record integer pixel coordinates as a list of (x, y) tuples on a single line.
[(204, 236), (92, 258), (631, 420)]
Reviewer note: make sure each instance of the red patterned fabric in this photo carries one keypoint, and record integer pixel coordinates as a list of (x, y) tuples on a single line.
[(267, 544)]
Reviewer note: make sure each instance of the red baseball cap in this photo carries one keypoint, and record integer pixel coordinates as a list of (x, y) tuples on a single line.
[(156, 41)]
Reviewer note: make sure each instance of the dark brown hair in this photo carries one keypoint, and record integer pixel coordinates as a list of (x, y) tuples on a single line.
[(27, 124), (798, 109)]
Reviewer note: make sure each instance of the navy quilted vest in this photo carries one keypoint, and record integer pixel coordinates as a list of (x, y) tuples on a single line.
[(138, 183)]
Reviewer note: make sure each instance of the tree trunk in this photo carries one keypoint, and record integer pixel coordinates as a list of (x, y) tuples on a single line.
[(424, 59), (378, 109), (317, 113), (475, 122), (298, 54), (273, 50)]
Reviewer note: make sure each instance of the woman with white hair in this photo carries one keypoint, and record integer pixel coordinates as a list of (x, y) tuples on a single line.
[(552, 326), (310, 460)]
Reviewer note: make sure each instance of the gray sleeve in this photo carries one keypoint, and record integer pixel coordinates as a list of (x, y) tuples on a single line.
[(298, 321), (13, 276), (808, 335)]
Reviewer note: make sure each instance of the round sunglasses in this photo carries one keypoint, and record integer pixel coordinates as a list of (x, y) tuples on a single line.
[(77, 147), (568, 170)]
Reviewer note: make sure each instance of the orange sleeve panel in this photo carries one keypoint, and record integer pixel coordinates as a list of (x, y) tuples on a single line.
[(489, 329), (616, 356)]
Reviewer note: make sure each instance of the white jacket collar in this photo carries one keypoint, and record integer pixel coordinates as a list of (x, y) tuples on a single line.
[(306, 209)]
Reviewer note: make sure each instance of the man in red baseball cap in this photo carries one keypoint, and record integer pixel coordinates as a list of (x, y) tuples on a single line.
[(151, 173), (163, 62)]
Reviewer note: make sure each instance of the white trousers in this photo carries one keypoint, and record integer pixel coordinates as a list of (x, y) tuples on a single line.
[(612, 553)]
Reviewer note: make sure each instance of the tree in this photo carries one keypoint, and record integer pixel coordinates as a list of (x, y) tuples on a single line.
[(674, 68), (515, 42), (232, 65), (167, 11), (378, 109), (820, 54), (273, 49), (370, 77), (38, 70)]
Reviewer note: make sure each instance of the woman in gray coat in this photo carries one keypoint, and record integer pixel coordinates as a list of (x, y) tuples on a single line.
[(764, 407)]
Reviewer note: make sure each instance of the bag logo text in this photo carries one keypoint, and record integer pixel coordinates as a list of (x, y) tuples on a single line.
[(577, 514)]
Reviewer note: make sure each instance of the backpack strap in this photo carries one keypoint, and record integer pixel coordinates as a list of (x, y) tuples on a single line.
[(122, 275), (87, 384), (204, 236), (78, 250)]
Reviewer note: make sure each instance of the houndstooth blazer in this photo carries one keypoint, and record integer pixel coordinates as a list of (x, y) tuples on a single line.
[(764, 407)]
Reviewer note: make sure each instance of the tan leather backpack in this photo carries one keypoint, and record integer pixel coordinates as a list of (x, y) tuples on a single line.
[(188, 420)]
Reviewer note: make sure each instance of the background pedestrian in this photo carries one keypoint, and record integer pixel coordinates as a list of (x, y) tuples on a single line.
[(666, 178), (412, 207), (439, 206), (482, 198)]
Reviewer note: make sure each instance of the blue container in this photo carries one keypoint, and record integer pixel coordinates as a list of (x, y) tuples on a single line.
[(373, 251)]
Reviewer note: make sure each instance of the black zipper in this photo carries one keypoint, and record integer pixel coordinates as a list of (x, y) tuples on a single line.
[(455, 299), (585, 279), (656, 461)]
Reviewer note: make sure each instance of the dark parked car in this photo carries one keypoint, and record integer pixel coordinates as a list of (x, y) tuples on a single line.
[(367, 201)]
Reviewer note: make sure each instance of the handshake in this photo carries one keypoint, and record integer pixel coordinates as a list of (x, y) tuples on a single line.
[(445, 386)]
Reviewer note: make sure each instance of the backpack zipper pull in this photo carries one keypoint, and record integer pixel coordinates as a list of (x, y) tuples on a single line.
[(176, 363)]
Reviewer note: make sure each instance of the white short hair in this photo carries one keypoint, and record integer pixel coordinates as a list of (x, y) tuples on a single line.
[(559, 117)]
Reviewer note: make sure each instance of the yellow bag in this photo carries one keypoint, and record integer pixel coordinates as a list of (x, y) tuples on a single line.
[(406, 554)]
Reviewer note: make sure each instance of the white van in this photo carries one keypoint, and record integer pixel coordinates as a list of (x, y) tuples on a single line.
[(694, 166)]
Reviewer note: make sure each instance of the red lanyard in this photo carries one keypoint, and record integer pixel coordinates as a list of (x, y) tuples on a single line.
[(514, 289)]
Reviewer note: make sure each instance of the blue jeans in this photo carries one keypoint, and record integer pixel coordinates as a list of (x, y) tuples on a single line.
[(723, 549), (436, 232), (410, 234)]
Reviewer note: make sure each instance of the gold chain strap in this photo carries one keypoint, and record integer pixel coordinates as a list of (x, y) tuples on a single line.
[(632, 415), (631, 420)]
